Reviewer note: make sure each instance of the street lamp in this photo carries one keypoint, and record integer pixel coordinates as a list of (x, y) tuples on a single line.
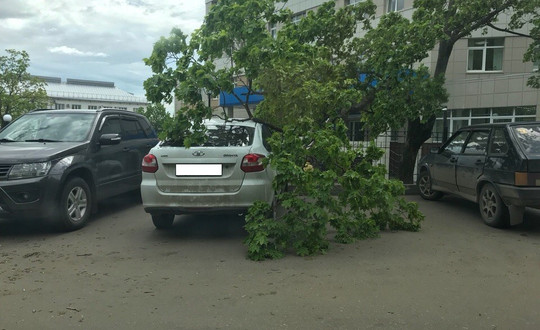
[(7, 118), (445, 125)]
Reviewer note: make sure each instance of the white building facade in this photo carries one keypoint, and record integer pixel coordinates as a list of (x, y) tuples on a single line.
[(89, 94)]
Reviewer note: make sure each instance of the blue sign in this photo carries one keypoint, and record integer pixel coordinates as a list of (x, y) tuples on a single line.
[(238, 97)]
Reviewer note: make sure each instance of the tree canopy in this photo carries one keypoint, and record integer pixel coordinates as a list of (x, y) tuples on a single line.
[(19, 91), (314, 73), (310, 76)]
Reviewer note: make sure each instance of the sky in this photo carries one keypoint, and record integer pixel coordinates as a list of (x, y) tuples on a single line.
[(103, 40)]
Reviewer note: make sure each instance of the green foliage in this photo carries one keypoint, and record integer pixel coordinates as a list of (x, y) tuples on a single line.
[(323, 185), (157, 115), (19, 91), (309, 75)]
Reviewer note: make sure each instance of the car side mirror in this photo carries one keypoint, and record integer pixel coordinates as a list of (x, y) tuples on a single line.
[(109, 139), (434, 150)]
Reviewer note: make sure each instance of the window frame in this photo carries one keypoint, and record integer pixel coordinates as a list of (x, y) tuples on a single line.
[(484, 48), (395, 5)]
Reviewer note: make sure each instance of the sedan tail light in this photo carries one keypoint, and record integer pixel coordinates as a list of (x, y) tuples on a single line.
[(252, 163), (149, 164)]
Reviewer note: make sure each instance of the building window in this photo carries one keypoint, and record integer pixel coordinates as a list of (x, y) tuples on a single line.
[(394, 5), (75, 106), (273, 30), (485, 54), (92, 107), (298, 16), (352, 2), (122, 108), (59, 106), (357, 132), (458, 118)]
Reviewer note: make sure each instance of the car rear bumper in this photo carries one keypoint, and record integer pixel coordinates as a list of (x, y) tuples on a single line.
[(520, 196), (157, 201)]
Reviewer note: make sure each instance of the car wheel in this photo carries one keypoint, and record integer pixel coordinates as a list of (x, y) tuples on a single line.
[(424, 187), (163, 220), (75, 204), (493, 210)]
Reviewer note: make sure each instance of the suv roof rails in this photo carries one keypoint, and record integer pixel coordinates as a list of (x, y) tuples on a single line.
[(41, 109)]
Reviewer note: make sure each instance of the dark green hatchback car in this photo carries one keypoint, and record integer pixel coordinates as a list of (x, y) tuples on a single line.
[(494, 165)]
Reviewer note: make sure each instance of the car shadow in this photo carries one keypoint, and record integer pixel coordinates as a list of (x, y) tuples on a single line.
[(208, 226), (531, 217), (30, 227)]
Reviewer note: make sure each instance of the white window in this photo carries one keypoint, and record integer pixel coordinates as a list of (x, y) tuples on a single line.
[(298, 16), (395, 5), (273, 30), (352, 2), (75, 106), (485, 54), (59, 106), (92, 107)]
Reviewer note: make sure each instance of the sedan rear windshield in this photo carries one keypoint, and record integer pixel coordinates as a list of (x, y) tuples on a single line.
[(528, 137), (229, 136)]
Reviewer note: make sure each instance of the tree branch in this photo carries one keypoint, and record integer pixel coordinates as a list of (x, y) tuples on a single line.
[(509, 31)]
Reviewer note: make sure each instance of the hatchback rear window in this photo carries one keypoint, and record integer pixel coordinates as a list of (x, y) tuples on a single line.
[(528, 137)]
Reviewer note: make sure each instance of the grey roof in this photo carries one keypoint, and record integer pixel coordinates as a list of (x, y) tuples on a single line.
[(88, 90)]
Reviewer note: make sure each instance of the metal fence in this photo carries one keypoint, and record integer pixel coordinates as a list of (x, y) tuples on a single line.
[(392, 143)]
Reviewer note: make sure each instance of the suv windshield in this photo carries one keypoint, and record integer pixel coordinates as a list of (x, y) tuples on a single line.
[(528, 137), (49, 127)]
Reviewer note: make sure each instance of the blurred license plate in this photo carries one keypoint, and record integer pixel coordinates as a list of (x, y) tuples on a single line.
[(198, 170)]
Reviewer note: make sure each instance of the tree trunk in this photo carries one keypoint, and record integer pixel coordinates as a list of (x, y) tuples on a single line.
[(418, 132)]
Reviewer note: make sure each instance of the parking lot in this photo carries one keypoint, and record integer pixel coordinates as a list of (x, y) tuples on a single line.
[(119, 272)]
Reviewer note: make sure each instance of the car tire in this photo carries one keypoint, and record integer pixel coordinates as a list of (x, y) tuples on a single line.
[(75, 204), (424, 187), (163, 220), (493, 210)]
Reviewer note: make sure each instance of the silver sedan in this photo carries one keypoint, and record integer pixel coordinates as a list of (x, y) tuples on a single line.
[(225, 174)]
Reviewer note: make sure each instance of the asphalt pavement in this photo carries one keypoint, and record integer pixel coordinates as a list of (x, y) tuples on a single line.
[(119, 272)]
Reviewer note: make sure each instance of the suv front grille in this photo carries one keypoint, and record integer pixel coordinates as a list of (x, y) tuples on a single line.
[(4, 170)]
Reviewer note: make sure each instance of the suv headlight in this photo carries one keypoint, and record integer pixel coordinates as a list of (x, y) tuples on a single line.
[(30, 170)]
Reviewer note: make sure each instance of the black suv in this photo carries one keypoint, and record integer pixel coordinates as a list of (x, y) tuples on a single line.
[(495, 165), (58, 164)]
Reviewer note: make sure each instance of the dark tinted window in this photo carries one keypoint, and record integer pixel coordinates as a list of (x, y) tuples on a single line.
[(528, 137), (148, 130), (132, 129), (499, 144), (111, 126), (477, 143)]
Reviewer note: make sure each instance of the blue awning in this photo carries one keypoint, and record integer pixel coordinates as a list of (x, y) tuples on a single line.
[(229, 99)]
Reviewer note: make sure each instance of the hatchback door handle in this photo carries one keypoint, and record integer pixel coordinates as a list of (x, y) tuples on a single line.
[(126, 149), (453, 160), (479, 162)]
